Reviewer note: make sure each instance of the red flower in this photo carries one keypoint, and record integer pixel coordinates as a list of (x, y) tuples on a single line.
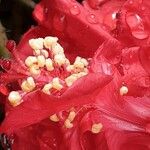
[(104, 104)]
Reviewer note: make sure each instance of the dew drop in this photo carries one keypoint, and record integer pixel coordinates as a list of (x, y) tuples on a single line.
[(75, 10), (92, 19), (59, 22), (136, 26)]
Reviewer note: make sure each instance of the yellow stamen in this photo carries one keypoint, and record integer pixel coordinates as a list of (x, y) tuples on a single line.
[(123, 90), (49, 40), (68, 124), (36, 44), (46, 88), (49, 64), (71, 79), (41, 61), (14, 98), (71, 116), (60, 59), (54, 118), (44, 53), (96, 128), (30, 60), (57, 49), (34, 70), (56, 84), (28, 85)]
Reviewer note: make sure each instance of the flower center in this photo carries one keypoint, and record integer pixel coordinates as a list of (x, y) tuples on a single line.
[(49, 69)]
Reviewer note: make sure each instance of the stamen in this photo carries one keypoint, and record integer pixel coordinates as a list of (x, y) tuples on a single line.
[(68, 124), (34, 70), (71, 116), (70, 68), (57, 49), (49, 64), (96, 128), (30, 60), (37, 52), (41, 61), (44, 53), (36, 44), (54, 118), (60, 59), (49, 40), (123, 90), (14, 98), (28, 85), (56, 84), (71, 79), (78, 63), (46, 88)]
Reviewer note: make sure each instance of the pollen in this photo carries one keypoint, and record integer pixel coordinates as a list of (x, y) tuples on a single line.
[(57, 49), (123, 90), (71, 79), (36, 44), (71, 116), (78, 63), (96, 128), (14, 98), (68, 124), (28, 85), (56, 84), (30, 61), (34, 70), (49, 64), (49, 41), (41, 61), (60, 59), (47, 87), (37, 52), (45, 53), (54, 118)]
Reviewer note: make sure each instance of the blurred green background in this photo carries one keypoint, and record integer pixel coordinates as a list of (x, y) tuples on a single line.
[(15, 19)]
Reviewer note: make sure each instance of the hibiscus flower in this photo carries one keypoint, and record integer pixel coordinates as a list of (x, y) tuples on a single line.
[(66, 90)]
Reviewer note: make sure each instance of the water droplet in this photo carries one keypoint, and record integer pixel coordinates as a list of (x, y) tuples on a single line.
[(59, 22), (106, 68), (75, 10), (92, 19), (136, 26)]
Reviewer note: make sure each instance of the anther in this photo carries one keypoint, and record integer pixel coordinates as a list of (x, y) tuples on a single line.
[(46, 89), (49, 40), (123, 90), (54, 118), (56, 84), (96, 128), (30, 60), (41, 61), (14, 98), (34, 70), (71, 116), (68, 124), (36, 44), (57, 49), (49, 64), (60, 59)]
